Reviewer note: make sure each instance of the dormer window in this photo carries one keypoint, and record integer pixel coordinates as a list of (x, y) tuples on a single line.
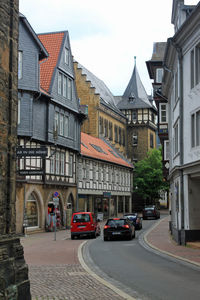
[(159, 75), (131, 97)]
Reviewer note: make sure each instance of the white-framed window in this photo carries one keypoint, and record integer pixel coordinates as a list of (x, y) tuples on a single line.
[(70, 173), (66, 126), (176, 138), (195, 129), (57, 163), (52, 162), (195, 66), (192, 68), (56, 120), (66, 59), (64, 92), (166, 150), (61, 127), (134, 115), (62, 163), (69, 89), (159, 75), (163, 113), (59, 83), (20, 64)]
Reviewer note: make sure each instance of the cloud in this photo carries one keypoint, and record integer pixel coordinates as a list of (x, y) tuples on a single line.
[(106, 35)]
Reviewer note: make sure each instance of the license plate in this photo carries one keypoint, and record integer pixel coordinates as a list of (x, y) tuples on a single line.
[(80, 226), (117, 232)]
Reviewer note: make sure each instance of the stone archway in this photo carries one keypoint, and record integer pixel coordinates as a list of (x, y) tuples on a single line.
[(34, 209), (70, 201), (50, 209)]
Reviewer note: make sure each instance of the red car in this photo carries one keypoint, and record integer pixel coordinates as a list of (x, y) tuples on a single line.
[(84, 223)]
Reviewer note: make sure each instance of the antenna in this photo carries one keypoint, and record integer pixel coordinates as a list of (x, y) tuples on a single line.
[(135, 60)]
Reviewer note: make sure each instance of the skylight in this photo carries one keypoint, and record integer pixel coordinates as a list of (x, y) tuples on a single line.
[(98, 148)]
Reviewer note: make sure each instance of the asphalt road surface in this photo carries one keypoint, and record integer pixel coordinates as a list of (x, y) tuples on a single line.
[(140, 272)]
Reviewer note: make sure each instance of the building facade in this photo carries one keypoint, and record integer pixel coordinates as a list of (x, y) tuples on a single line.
[(48, 118), (141, 114), (105, 178), (14, 282), (181, 87), (104, 118)]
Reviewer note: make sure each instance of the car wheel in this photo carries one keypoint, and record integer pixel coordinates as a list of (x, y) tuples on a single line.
[(94, 235), (72, 237), (130, 237)]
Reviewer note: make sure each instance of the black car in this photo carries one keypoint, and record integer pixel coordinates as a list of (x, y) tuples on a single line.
[(135, 219), (151, 212), (118, 228)]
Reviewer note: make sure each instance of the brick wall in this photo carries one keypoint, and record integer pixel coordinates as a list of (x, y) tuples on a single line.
[(14, 283)]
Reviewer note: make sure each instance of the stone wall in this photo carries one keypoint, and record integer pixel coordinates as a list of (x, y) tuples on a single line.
[(14, 283)]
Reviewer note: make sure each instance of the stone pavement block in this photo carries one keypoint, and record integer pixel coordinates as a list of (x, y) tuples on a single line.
[(55, 271)]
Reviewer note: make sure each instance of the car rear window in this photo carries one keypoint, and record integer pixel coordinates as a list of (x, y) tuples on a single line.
[(132, 218), (120, 222), (81, 218)]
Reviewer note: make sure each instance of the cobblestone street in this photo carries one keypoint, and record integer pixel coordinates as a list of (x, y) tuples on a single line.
[(55, 272)]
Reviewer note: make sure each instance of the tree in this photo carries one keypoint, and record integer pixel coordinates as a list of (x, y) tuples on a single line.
[(148, 177)]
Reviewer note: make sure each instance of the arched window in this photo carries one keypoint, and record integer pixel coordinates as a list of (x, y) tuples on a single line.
[(32, 211)]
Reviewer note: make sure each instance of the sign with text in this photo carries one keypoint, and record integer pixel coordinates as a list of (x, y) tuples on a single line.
[(31, 172), (20, 152)]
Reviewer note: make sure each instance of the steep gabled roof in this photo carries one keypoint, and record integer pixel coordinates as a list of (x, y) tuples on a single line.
[(135, 95), (53, 43), (98, 149), (43, 52), (105, 94)]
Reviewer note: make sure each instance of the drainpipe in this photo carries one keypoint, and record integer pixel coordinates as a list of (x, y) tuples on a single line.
[(181, 111)]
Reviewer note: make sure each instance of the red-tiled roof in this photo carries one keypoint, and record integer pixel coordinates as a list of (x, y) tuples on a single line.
[(98, 149), (52, 42)]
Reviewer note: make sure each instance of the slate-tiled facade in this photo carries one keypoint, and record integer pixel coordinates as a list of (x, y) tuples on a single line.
[(49, 117), (137, 106)]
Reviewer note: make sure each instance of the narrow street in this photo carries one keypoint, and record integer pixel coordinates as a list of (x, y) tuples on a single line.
[(126, 269), (140, 272)]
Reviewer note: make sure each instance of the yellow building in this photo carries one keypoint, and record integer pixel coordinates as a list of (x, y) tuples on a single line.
[(104, 120)]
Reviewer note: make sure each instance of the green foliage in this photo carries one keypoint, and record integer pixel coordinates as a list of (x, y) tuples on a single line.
[(148, 176)]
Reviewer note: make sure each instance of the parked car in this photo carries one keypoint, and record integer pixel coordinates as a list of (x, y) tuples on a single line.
[(151, 212), (135, 219), (84, 223), (118, 228)]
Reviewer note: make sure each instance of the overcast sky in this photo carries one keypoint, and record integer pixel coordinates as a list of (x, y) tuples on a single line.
[(105, 35)]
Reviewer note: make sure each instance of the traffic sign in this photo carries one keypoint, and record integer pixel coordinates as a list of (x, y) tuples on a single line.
[(56, 194), (56, 201)]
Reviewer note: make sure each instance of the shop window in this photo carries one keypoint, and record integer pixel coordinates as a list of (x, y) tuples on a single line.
[(32, 211)]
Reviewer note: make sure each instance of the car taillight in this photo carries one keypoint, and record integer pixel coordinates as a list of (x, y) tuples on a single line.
[(106, 226), (126, 226)]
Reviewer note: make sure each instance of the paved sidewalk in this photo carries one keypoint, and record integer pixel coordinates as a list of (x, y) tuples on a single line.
[(160, 239), (57, 271)]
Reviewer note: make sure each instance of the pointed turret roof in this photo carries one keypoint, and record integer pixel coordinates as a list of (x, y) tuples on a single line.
[(135, 95)]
